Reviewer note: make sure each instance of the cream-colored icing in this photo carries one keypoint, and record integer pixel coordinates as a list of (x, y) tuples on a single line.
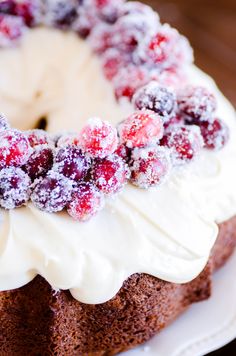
[(167, 232)]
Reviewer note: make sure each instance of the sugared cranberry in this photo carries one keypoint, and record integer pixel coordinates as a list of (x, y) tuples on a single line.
[(14, 148), (28, 10), (38, 138), (174, 119), (124, 152), (7, 6), (98, 138), (70, 139), (149, 166), (52, 193), (4, 124), (108, 10), (101, 38), (39, 163), (197, 103), (11, 29), (72, 163), (140, 129), (185, 143), (60, 13), (85, 21), (14, 188), (215, 134), (86, 202), (128, 80), (110, 174), (112, 61), (156, 98)]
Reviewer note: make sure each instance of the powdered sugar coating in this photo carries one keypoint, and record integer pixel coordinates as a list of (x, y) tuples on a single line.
[(86, 202), (149, 166), (98, 138), (52, 193), (14, 188), (38, 137), (4, 125), (11, 29), (110, 174), (39, 163), (215, 134), (142, 128)]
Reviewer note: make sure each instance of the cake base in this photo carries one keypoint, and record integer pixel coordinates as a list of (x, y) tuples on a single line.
[(36, 320)]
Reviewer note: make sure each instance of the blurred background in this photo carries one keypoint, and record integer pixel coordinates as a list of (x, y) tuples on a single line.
[(210, 25)]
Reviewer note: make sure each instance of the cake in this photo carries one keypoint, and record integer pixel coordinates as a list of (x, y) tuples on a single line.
[(111, 227)]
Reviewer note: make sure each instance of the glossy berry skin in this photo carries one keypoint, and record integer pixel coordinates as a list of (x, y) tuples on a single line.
[(14, 188), (185, 143), (11, 29), (156, 98), (52, 193), (39, 163), (72, 163), (86, 202), (14, 148), (140, 129), (197, 103), (98, 138), (215, 134), (149, 166), (38, 137), (4, 125), (110, 174)]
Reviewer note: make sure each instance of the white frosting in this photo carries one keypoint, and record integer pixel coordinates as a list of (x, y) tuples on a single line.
[(167, 232)]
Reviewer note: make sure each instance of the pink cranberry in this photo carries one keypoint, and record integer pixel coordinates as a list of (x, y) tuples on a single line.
[(197, 103), (149, 166), (175, 119), (86, 202), (52, 193), (110, 174), (128, 80), (14, 188), (39, 163), (215, 134), (112, 61), (156, 98), (98, 138), (70, 139), (108, 10), (124, 152), (14, 148), (101, 38), (185, 143), (140, 129), (39, 138), (4, 125), (72, 163), (11, 29)]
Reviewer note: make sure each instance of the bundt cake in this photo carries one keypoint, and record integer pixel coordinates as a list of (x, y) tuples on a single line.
[(108, 229)]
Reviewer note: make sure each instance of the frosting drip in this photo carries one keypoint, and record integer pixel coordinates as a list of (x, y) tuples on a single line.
[(167, 232)]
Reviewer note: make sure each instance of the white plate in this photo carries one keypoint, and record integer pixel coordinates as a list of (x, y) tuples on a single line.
[(204, 327)]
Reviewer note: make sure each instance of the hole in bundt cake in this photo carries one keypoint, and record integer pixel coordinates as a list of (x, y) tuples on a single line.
[(42, 123)]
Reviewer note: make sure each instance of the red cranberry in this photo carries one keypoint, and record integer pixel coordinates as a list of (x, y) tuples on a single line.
[(108, 10), (176, 119), (14, 148), (85, 22), (38, 138), (149, 166), (60, 13), (215, 134), (4, 125), (101, 38), (110, 174), (28, 10), (11, 29), (39, 163), (72, 163), (140, 129), (124, 152), (14, 188), (70, 139), (156, 98), (197, 103), (86, 202), (185, 143), (128, 80), (112, 61), (7, 6), (98, 138), (52, 193)]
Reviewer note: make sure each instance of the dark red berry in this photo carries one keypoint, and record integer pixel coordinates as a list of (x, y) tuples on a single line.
[(185, 143), (14, 148), (60, 13), (86, 202), (4, 125), (39, 137), (28, 10), (11, 29), (7, 6), (52, 193), (149, 166), (156, 98), (124, 152), (39, 163), (197, 103), (108, 10), (215, 134), (110, 174), (98, 138), (14, 188), (72, 163), (140, 129)]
